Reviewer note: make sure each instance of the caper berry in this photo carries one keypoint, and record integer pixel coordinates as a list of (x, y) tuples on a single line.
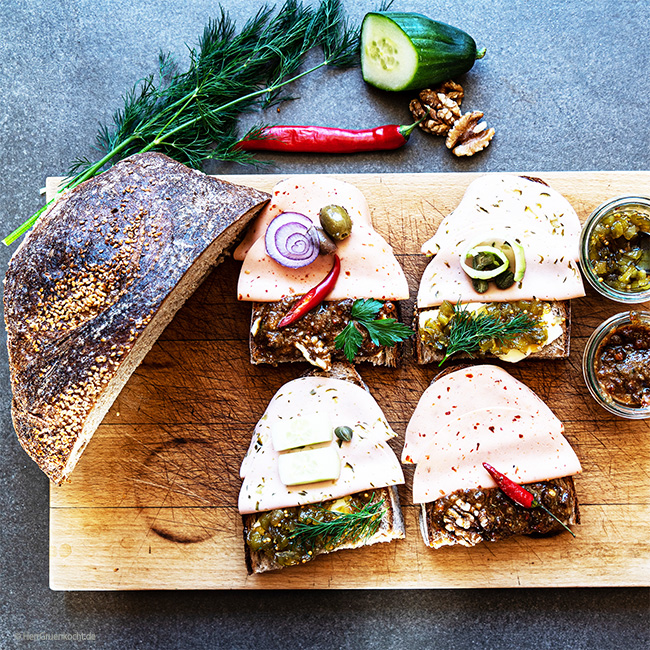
[(480, 286), (505, 280), (336, 222), (344, 433)]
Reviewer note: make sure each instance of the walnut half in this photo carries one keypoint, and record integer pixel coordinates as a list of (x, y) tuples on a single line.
[(469, 135), (440, 105)]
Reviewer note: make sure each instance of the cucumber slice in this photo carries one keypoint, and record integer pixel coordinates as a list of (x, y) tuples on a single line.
[(408, 51), (484, 274), (519, 266)]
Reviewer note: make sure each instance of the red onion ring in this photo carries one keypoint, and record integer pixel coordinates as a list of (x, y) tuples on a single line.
[(291, 241)]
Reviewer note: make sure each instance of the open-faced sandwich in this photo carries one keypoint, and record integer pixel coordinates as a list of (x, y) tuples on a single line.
[(503, 272), (319, 474), (323, 282), (480, 415)]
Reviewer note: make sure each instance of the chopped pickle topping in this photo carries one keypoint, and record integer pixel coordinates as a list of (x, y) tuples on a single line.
[(273, 534), (435, 331), (619, 249)]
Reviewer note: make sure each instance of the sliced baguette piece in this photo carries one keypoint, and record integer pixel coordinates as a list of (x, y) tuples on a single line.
[(96, 281), (558, 349), (391, 526)]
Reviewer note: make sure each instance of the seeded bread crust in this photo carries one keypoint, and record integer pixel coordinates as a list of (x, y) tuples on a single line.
[(392, 523), (96, 281), (558, 349)]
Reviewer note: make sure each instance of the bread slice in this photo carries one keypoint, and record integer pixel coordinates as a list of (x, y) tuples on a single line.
[(96, 281), (312, 337), (391, 526), (468, 517), (557, 349)]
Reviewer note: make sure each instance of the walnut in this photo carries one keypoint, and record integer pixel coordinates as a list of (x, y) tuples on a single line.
[(469, 135), (441, 105)]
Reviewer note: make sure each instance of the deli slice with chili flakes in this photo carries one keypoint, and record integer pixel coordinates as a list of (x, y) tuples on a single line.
[(482, 414)]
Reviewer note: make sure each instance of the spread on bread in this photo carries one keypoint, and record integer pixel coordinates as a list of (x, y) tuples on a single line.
[(513, 241), (321, 445), (368, 269), (482, 414)]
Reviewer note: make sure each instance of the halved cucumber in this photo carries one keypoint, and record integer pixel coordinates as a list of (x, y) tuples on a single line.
[(408, 51)]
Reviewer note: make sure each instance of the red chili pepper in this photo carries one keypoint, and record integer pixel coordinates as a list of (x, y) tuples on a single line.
[(323, 139), (314, 296), (519, 494)]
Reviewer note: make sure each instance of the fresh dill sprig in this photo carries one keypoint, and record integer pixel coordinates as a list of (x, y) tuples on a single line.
[(192, 116), (335, 528), (381, 331), (469, 329)]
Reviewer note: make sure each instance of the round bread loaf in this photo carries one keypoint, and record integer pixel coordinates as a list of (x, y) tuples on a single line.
[(96, 281)]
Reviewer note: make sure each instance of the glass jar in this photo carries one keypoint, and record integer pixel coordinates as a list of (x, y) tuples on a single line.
[(590, 359), (623, 203)]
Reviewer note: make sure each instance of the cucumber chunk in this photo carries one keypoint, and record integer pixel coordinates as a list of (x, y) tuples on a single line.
[(408, 51)]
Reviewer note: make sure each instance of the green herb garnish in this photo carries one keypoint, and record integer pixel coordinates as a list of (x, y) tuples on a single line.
[(192, 116), (382, 331), (336, 528), (469, 329)]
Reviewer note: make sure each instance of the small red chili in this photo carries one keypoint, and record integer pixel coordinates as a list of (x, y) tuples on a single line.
[(519, 494), (323, 139), (314, 296)]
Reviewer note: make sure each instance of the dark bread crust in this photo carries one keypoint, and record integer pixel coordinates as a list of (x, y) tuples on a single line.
[(558, 349), (392, 523), (94, 284)]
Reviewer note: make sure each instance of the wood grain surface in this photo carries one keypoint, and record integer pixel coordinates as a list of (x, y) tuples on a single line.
[(152, 503)]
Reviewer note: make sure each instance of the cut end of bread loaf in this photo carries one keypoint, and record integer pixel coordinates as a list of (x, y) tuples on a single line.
[(94, 284)]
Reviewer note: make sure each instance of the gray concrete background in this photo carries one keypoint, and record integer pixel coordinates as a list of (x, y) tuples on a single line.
[(567, 87)]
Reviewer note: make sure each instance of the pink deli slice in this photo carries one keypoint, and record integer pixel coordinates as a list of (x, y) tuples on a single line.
[(369, 268), (525, 447), (464, 391), (482, 414), (367, 461), (306, 194), (506, 207)]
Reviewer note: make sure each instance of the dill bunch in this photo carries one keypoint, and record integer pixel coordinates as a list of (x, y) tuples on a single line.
[(192, 116)]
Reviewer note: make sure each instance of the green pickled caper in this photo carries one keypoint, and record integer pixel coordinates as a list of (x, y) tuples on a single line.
[(482, 261), (344, 434), (481, 286), (336, 222), (505, 280)]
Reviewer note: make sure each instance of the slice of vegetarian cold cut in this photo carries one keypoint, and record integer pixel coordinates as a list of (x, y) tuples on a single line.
[(95, 282), (482, 414)]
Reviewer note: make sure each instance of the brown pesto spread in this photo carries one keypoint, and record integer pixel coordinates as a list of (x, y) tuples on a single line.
[(470, 516), (623, 363), (315, 331)]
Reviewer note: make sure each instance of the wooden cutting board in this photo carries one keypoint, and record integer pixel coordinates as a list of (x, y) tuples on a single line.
[(152, 503)]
